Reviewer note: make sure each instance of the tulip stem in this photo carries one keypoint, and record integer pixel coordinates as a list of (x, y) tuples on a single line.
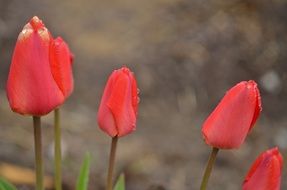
[(112, 163), (208, 168), (57, 149), (38, 153)]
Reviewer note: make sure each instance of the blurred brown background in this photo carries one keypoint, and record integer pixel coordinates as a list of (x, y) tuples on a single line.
[(185, 55)]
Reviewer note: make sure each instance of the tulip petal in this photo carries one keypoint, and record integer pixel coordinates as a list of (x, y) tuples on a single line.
[(135, 93), (258, 107), (120, 103), (105, 117), (60, 61)]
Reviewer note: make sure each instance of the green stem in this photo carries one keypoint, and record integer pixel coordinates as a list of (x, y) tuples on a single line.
[(208, 168), (112, 163), (38, 153), (57, 149)]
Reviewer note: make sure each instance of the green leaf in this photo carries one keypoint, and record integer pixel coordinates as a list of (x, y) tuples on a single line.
[(5, 185), (83, 178), (120, 185)]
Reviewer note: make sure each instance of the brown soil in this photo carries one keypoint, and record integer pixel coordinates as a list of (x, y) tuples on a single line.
[(185, 55)]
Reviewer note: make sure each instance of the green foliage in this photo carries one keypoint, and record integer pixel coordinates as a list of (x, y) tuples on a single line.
[(120, 185), (5, 185), (83, 178)]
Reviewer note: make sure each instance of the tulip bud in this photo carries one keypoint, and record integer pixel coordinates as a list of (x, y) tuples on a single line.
[(235, 115), (61, 65), (265, 172), (36, 81), (118, 108)]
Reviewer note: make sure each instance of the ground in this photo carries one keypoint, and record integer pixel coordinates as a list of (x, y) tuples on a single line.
[(185, 55)]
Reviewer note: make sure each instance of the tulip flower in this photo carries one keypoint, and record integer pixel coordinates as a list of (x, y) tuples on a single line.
[(61, 60), (40, 79), (265, 173), (40, 76), (230, 122), (31, 87), (118, 110), (232, 119)]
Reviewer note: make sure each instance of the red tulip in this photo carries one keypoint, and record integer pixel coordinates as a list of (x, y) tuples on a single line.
[(265, 172), (61, 60), (118, 108), (35, 83), (228, 125)]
